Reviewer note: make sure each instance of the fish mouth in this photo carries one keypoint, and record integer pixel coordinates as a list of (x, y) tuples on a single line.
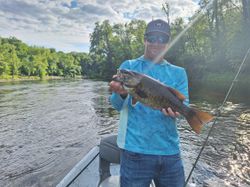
[(117, 79), (121, 75), (126, 78)]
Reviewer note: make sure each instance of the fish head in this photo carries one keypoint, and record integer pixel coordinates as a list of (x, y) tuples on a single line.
[(127, 78)]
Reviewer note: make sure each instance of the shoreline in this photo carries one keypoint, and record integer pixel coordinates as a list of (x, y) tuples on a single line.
[(33, 78)]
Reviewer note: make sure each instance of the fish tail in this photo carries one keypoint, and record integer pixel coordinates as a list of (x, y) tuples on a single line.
[(197, 118)]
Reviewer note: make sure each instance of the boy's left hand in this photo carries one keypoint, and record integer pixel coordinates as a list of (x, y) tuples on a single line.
[(170, 112)]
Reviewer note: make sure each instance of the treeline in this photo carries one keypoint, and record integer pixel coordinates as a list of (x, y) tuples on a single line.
[(110, 45), (19, 59), (211, 50), (215, 44)]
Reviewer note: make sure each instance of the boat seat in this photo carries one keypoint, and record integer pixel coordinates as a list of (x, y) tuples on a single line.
[(109, 153)]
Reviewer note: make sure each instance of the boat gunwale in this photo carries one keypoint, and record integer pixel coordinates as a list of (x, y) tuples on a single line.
[(79, 167)]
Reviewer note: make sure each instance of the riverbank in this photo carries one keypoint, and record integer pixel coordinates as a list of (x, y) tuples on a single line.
[(31, 78)]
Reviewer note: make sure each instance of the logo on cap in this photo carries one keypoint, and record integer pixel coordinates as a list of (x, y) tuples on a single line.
[(158, 25)]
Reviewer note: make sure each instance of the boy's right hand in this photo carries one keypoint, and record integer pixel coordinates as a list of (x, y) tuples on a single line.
[(117, 87)]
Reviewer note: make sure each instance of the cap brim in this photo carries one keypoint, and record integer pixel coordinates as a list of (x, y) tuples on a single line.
[(168, 34)]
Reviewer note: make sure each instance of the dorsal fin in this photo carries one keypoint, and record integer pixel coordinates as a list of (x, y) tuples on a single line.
[(177, 94)]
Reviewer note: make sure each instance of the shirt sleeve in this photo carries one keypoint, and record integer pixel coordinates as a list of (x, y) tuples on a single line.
[(182, 86), (115, 99)]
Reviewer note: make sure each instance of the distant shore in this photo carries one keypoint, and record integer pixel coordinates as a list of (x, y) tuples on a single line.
[(30, 78)]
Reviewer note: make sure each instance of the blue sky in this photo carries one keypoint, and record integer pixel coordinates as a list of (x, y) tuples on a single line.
[(66, 24)]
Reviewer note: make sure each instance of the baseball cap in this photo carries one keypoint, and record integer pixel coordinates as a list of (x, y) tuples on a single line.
[(158, 25)]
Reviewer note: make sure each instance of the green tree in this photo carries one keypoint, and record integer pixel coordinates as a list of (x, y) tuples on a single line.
[(4, 66), (101, 44), (13, 61), (40, 62), (53, 61)]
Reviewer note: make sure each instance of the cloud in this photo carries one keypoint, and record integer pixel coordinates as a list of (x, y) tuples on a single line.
[(63, 24)]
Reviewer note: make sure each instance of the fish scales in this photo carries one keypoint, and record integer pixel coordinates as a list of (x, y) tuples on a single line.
[(157, 95)]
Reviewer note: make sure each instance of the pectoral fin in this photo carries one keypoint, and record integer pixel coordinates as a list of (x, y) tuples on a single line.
[(134, 101), (141, 93), (177, 94)]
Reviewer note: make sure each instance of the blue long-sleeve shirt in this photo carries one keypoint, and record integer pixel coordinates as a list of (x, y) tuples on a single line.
[(143, 129)]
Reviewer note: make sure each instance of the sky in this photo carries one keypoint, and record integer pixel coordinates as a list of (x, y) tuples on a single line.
[(66, 24)]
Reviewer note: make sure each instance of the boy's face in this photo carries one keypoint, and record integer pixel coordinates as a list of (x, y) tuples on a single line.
[(155, 45)]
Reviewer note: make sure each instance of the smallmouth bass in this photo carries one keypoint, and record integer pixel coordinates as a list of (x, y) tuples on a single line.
[(157, 95)]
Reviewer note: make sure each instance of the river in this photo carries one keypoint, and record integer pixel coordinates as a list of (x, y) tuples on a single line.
[(46, 127)]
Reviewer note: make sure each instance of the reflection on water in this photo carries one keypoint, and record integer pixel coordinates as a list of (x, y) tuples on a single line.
[(107, 116), (46, 127)]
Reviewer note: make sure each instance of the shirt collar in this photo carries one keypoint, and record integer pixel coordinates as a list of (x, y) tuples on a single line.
[(163, 62)]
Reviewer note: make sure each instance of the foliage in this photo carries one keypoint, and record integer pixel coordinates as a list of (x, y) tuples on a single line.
[(16, 58), (213, 48), (110, 45)]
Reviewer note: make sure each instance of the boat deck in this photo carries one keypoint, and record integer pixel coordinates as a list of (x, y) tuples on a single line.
[(85, 173)]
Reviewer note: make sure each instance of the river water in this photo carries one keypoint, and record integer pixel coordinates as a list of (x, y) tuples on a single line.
[(46, 127)]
